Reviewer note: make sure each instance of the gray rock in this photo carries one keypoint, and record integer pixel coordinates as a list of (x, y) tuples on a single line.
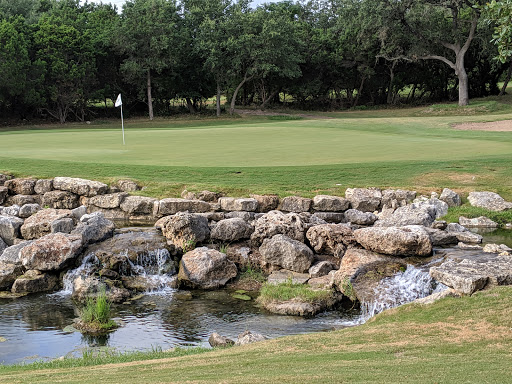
[(185, 228), (489, 200), (12, 254), (246, 216), (20, 186), (436, 297), (8, 274), (248, 338), (361, 218), (172, 206), (109, 201), (266, 203), (79, 212), (40, 224), (52, 252), (232, 204), (478, 222), (331, 239), (64, 225), (209, 196), (85, 287), (413, 214), (127, 186), (397, 241), (468, 237), (13, 210), (10, 228), (277, 223), (94, 228), (35, 281), (2, 246), (81, 187), (3, 194), (28, 210), (439, 224), (462, 245), (206, 268), (455, 227), (232, 230), (393, 199), (320, 269), (364, 199), (296, 307), (285, 276), (441, 238), (4, 178), (138, 205), (450, 197), (60, 200), (328, 203), (286, 253), (23, 199), (495, 248), (216, 340), (295, 204), (331, 217), (43, 185)]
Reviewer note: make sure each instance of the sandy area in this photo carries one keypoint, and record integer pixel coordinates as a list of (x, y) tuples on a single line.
[(496, 126)]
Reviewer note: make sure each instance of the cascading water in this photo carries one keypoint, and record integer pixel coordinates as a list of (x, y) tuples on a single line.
[(402, 288), (89, 264)]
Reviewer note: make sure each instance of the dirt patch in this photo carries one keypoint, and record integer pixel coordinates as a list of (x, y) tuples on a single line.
[(494, 126), (434, 178)]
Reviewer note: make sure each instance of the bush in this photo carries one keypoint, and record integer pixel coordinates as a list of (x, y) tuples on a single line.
[(97, 313)]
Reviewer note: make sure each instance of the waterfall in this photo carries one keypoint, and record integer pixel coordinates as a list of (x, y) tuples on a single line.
[(89, 264), (402, 288)]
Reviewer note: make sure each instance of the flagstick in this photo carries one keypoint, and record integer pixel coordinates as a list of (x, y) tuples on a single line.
[(122, 122)]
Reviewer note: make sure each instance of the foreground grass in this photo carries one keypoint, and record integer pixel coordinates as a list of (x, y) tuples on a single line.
[(453, 341)]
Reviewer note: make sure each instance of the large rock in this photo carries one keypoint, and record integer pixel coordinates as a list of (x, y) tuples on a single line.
[(232, 204), (320, 269), (43, 185), (209, 196), (470, 274), (13, 210), (23, 199), (413, 214), (277, 223), (362, 199), (360, 218), (21, 186), (8, 274), (468, 237), (94, 228), (171, 206), (216, 340), (285, 276), (286, 253), (109, 201), (12, 254), (232, 230), (249, 337), (489, 200), (395, 198), (28, 210), (477, 222), (4, 178), (266, 203), (295, 204), (441, 238), (40, 224), (184, 228), (297, 307), (35, 281), (85, 287), (80, 187), (10, 228), (326, 203), (127, 186), (330, 217), (60, 200), (331, 239), (397, 241), (138, 205), (3, 194), (206, 268), (52, 252), (450, 197)]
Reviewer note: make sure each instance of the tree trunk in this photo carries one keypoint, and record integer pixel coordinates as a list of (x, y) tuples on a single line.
[(463, 82), (190, 105), (233, 99), (218, 99), (360, 90), (265, 102), (150, 99), (507, 79)]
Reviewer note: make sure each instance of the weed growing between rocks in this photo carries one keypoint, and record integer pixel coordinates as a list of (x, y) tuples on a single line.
[(470, 212), (290, 291), (95, 317)]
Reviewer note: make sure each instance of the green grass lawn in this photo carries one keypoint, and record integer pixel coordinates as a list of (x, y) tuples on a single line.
[(466, 340), (385, 148)]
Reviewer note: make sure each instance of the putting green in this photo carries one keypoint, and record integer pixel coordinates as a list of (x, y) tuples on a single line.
[(285, 143)]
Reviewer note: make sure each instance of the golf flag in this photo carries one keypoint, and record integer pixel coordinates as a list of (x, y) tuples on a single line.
[(119, 102)]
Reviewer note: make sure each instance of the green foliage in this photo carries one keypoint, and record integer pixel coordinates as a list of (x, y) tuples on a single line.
[(289, 291), (252, 273), (470, 212), (499, 13), (348, 289), (224, 248), (189, 245), (97, 311)]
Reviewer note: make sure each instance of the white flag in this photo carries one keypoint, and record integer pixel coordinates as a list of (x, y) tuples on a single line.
[(119, 102)]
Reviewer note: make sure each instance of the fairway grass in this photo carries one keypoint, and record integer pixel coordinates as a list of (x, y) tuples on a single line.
[(260, 155), (465, 340)]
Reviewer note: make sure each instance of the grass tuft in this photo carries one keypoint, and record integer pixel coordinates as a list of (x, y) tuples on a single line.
[(470, 212), (289, 291)]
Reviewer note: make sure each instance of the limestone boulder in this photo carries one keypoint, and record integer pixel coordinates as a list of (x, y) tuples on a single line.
[(12, 254), (35, 281), (205, 268), (320, 269), (489, 200), (40, 224), (85, 287), (395, 198), (28, 210), (215, 340), (81, 187), (233, 204), (94, 228), (10, 228), (283, 276), (171, 206), (360, 218), (43, 185), (21, 186), (60, 200), (186, 228), (52, 252), (249, 337), (295, 204), (413, 214), (477, 222), (326, 203), (138, 205), (128, 186), (4, 178), (245, 216), (286, 253), (266, 203), (3, 246), (13, 210), (468, 237), (497, 248), (3, 194), (23, 199), (297, 307), (364, 199), (278, 223), (450, 197), (331, 239), (109, 201), (397, 241), (230, 230), (441, 238), (65, 225), (8, 274)]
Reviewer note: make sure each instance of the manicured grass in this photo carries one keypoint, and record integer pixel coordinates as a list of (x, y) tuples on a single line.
[(470, 212), (452, 341)]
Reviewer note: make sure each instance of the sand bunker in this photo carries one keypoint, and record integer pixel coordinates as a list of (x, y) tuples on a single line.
[(496, 126)]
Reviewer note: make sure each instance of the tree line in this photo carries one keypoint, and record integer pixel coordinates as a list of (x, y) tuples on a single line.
[(63, 60)]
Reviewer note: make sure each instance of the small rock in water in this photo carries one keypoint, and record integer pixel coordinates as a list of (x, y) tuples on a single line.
[(217, 340), (241, 297), (248, 337), (462, 245)]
